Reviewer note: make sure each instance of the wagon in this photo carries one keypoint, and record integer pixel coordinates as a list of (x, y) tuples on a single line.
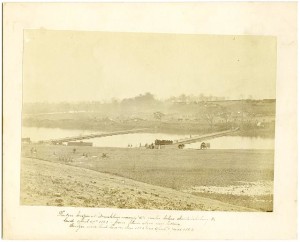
[(204, 146)]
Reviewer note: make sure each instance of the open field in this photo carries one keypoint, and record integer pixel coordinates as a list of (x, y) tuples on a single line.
[(48, 183), (248, 173)]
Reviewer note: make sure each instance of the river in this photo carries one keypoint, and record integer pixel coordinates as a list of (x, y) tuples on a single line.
[(140, 139)]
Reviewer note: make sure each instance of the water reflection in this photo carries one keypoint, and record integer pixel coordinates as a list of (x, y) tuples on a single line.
[(236, 142), (136, 140), (140, 139), (36, 134)]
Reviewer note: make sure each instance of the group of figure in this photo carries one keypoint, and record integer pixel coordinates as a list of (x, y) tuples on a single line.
[(151, 146), (202, 146), (104, 155), (33, 151), (65, 158)]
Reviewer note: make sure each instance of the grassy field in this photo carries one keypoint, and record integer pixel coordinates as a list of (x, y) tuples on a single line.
[(176, 169), (54, 184)]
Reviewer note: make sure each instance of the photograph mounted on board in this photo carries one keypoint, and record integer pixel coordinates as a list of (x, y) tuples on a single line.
[(148, 120)]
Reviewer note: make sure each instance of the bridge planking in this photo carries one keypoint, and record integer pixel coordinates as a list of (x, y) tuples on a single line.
[(90, 136), (185, 141), (204, 137)]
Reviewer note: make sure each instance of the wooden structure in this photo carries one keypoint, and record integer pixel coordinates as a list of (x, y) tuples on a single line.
[(80, 143), (90, 136), (204, 137), (26, 140), (163, 142)]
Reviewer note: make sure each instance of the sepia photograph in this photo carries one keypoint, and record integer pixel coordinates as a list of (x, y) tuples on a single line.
[(148, 120)]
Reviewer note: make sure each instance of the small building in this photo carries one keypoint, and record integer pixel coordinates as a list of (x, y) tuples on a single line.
[(26, 140), (56, 142), (81, 143)]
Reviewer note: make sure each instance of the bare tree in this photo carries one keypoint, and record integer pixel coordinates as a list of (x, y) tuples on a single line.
[(209, 117), (225, 115), (209, 114)]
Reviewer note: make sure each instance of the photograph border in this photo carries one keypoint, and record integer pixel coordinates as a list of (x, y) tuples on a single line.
[(274, 18)]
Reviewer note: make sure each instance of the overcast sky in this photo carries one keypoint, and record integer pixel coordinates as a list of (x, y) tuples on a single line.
[(91, 66)]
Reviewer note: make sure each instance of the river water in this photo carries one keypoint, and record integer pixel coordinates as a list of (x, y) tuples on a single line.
[(140, 139), (37, 134), (236, 142)]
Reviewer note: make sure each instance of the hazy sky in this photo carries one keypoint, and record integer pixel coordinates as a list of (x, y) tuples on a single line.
[(88, 66)]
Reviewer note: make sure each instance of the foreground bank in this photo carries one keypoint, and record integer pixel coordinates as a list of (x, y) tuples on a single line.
[(62, 185), (239, 177)]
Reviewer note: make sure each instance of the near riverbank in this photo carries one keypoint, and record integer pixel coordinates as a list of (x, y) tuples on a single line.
[(178, 170)]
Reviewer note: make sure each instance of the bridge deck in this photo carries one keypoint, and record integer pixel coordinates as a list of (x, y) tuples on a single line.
[(90, 136), (176, 142), (204, 137)]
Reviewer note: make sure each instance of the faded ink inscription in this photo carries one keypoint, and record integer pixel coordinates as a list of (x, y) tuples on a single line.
[(80, 220)]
